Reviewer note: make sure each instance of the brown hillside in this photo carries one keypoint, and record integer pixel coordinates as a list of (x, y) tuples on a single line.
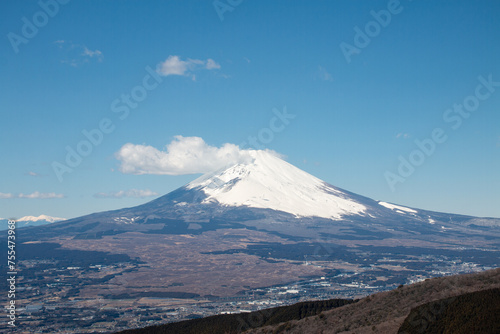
[(385, 312), (475, 312)]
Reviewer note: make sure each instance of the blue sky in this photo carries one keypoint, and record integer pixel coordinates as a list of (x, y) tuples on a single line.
[(223, 72)]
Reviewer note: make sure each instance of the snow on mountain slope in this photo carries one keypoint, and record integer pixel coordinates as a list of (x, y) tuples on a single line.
[(30, 221), (268, 182), (41, 217), (397, 207)]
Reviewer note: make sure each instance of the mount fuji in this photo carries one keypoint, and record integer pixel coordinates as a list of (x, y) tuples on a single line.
[(268, 182), (266, 193)]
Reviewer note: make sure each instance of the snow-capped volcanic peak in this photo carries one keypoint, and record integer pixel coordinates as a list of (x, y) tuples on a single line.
[(41, 217), (268, 182)]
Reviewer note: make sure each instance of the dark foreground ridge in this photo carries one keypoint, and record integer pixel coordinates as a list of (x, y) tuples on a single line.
[(475, 312), (454, 304)]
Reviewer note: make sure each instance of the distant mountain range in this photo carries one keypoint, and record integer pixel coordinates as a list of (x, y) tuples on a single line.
[(30, 221)]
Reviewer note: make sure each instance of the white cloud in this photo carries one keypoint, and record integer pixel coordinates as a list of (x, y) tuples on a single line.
[(76, 54), (323, 74), (173, 65), (137, 193), (89, 53), (34, 195), (184, 155), (31, 173), (403, 135), (211, 64), (40, 195)]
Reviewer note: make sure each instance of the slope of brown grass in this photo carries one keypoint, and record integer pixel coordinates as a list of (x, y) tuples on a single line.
[(385, 312), (474, 312)]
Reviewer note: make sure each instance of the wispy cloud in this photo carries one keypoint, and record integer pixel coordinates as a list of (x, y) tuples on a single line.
[(211, 64), (184, 155), (31, 173), (77, 54), (91, 54), (174, 65), (134, 193), (34, 195), (323, 74), (403, 135)]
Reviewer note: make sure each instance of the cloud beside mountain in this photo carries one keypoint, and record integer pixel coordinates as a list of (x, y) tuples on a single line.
[(184, 155)]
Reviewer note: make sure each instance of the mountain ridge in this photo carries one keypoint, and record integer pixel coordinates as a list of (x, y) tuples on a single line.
[(385, 312), (41, 217), (30, 221)]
